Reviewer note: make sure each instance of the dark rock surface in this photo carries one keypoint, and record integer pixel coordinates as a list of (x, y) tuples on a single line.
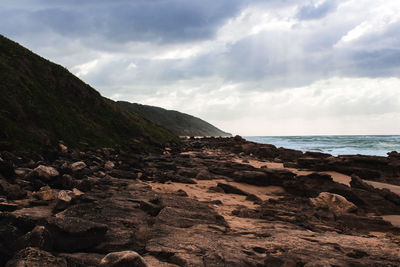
[(204, 204)]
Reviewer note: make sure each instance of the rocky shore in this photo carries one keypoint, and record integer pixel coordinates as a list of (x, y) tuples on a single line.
[(207, 202)]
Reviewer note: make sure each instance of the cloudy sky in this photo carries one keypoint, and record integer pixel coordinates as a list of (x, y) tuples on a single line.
[(261, 67)]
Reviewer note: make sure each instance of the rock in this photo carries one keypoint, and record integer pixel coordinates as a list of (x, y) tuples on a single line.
[(45, 172), (77, 166), (39, 237), (85, 185), (7, 169), (45, 193), (65, 182), (38, 214), (75, 234), (394, 154), (238, 138), (281, 261), (187, 172), (77, 192), (82, 259), (34, 257), (289, 155), (11, 191), (8, 206), (109, 165), (150, 208), (318, 155), (254, 198), (63, 148), (361, 223), (203, 175), (123, 259), (265, 177), (333, 202), (63, 200), (181, 193), (230, 189), (357, 182), (122, 174)]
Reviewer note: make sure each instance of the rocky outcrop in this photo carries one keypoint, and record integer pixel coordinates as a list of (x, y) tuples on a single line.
[(202, 205)]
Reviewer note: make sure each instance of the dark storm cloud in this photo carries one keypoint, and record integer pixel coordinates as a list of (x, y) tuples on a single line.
[(76, 32), (123, 21)]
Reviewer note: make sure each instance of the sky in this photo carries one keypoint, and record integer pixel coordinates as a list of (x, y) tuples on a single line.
[(261, 67)]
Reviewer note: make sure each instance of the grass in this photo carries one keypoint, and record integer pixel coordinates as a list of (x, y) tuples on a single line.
[(42, 103)]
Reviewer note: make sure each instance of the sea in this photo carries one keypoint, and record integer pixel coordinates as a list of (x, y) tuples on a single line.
[(377, 145)]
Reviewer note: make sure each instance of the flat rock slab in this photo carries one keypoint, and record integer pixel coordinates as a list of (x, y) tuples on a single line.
[(37, 213)]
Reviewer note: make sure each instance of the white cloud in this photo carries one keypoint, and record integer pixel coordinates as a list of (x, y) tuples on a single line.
[(379, 15), (272, 67)]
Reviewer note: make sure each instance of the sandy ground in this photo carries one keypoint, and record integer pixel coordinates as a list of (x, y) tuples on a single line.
[(230, 202), (337, 177), (393, 219), (393, 188)]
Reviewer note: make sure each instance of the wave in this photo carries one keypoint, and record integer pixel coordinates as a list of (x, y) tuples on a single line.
[(377, 145)]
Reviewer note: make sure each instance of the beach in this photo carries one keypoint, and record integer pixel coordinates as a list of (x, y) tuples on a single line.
[(206, 202)]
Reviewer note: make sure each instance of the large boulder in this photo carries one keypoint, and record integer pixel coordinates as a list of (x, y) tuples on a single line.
[(123, 259)]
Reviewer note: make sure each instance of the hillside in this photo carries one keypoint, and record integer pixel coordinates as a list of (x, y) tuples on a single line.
[(42, 103), (179, 123)]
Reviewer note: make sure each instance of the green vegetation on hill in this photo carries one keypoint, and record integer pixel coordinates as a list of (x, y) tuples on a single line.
[(179, 123), (42, 103)]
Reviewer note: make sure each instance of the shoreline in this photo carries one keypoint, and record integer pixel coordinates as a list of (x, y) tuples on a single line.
[(372, 145)]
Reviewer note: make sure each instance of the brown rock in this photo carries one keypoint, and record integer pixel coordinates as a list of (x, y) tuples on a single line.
[(109, 165), (74, 234), (45, 193), (77, 166), (123, 259), (333, 202), (230, 189), (34, 257), (63, 148), (45, 172)]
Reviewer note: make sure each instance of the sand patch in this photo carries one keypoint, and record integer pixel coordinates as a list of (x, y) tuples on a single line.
[(393, 219), (230, 202), (393, 188)]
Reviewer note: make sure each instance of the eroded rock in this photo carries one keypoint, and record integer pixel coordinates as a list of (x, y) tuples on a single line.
[(333, 202), (34, 257), (122, 259)]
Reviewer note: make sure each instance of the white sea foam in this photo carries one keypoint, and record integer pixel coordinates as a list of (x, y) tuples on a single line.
[(378, 145)]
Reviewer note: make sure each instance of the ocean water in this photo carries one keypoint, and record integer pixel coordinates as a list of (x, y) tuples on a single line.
[(378, 145)]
